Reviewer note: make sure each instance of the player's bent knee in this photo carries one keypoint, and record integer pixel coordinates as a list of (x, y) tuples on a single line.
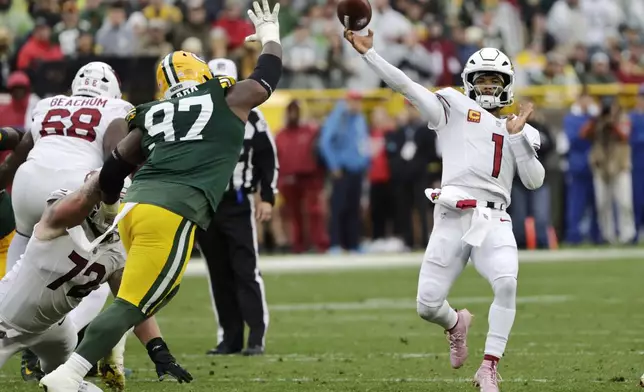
[(428, 313), (505, 291)]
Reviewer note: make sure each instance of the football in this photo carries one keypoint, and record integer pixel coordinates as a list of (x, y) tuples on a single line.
[(357, 14)]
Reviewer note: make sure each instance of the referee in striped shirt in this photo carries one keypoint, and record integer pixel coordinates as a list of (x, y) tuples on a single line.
[(230, 243)]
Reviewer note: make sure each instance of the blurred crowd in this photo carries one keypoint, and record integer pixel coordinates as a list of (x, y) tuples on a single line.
[(354, 179)]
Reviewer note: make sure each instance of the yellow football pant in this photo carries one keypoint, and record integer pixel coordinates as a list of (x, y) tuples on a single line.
[(4, 249), (158, 244)]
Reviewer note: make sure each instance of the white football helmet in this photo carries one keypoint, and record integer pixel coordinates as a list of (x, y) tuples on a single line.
[(489, 60), (96, 79)]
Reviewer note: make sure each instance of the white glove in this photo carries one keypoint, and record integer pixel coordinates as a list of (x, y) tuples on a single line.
[(267, 26)]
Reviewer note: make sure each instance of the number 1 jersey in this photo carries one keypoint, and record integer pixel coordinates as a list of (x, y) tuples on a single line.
[(68, 131), (475, 149), (52, 277), (192, 144)]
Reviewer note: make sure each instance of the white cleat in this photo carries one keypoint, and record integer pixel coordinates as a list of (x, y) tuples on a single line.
[(642, 381), (62, 380)]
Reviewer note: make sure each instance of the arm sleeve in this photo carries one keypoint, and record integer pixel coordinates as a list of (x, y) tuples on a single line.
[(265, 159), (530, 170), (433, 110)]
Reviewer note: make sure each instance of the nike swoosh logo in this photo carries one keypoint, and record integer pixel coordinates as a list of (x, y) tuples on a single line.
[(505, 220)]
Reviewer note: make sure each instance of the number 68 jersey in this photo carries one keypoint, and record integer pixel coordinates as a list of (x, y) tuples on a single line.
[(52, 278), (68, 131), (476, 152)]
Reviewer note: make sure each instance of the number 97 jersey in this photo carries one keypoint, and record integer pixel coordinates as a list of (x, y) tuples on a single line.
[(192, 143), (68, 131)]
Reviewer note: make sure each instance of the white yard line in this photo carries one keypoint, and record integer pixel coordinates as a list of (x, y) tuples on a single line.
[(305, 263), (399, 303)]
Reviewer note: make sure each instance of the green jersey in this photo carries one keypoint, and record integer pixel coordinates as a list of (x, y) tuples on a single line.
[(192, 144)]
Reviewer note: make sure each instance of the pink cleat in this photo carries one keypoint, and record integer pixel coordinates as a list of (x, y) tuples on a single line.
[(457, 338), (487, 378)]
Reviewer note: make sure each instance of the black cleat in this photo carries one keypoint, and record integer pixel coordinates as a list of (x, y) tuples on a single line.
[(222, 350), (30, 367), (252, 351)]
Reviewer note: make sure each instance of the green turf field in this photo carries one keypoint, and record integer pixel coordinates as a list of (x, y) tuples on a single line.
[(579, 327)]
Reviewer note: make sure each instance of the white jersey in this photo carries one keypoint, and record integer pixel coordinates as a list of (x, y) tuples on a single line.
[(476, 153), (68, 131), (52, 278)]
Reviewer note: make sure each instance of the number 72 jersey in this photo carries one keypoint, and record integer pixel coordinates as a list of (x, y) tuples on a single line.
[(475, 148), (192, 144), (52, 277)]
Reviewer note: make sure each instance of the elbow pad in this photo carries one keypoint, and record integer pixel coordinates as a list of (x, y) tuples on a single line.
[(268, 72), (112, 177)]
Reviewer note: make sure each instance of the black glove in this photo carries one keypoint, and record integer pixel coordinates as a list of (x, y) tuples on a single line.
[(164, 361)]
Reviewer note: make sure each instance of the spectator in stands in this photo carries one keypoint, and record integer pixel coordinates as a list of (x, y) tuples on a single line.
[(338, 67), (301, 181), (409, 151), (637, 158), (219, 43), (580, 61), (94, 13), (193, 45), (138, 24), (464, 47), (85, 45), (380, 191), (603, 18), (155, 43), (446, 68), (631, 64), (235, 24), (67, 31), (115, 37), (38, 47), (580, 193), (304, 59), (160, 9), (610, 162), (5, 57), (344, 145), (535, 204), (45, 9), (194, 25), (567, 24), (15, 18), (288, 18), (17, 112), (556, 72), (600, 72)]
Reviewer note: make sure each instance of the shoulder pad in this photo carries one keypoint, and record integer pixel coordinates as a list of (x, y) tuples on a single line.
[(130, 115), (226, 81)]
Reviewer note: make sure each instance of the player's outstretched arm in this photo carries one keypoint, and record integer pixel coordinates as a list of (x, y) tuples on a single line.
[(125, 158), (17, 158), (69, 211), (259, 86), (524, 142), (427, 103), (116, 131)]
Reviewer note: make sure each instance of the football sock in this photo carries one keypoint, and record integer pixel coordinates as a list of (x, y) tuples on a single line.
[(107, 329)]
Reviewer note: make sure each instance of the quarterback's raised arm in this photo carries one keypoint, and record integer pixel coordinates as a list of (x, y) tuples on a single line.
[(524, 142), (259, 86), (427, 103)]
